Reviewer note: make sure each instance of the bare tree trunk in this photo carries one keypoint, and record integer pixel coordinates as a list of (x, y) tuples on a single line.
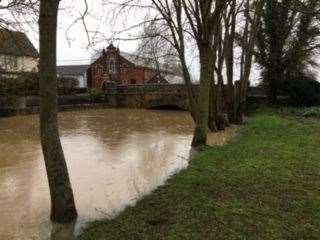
[(212, 123), (200, 133), (219, 89), (203, 23), (229, 55), (250, 36), (189, 86), (180, 46), (220, 119), (62, 201)]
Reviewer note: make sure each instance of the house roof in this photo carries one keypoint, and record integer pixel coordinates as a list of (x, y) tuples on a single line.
[(72, 69), (17, 44)]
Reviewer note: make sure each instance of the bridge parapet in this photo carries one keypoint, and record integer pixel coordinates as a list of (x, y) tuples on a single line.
[(153, 95), (148, 88), (148, 95)]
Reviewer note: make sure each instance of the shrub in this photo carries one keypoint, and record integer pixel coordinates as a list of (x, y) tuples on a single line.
[(302, 91), (28, 84), (11, 86), (7, 112), (97, 95), (67, 82), (31, 83), (308, 112)]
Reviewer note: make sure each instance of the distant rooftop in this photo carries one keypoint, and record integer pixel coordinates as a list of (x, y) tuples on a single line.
[(72, 69), (16, 44)]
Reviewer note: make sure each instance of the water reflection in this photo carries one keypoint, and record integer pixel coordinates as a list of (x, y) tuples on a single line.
[(113, 156)]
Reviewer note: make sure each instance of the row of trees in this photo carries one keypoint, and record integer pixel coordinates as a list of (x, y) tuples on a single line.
[(215, 29), (230, 36), (227, 35), (288, 39)]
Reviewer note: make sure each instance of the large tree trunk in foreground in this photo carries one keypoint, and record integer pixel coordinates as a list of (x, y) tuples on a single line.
[(200, 133), (62, 202)]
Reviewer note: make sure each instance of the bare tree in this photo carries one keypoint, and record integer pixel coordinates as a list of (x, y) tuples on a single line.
[(157, 51), (248, 41), (17, 13), (204, 19), (62, 201), (230, 19), (172, 14), (199, 21)]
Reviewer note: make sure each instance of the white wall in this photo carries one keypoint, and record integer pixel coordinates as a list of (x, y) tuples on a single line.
[(81, 79), (12, 63)]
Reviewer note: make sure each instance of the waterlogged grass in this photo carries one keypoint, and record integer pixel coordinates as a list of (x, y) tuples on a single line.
[(265, 184)]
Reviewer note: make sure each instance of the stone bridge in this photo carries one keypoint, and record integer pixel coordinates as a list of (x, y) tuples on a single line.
[(156, 95)]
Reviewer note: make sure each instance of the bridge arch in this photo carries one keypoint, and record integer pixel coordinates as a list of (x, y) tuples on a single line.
[(171, 102)]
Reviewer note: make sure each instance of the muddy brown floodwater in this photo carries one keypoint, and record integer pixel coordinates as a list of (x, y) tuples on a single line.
[(114, 157)]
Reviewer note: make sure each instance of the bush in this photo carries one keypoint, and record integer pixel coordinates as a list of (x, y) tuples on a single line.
[(7, 112), (302, 91), (11, 86), (64, 84), (31, 83), (97, 95), (67, 83), (28, 84), (308, 112)]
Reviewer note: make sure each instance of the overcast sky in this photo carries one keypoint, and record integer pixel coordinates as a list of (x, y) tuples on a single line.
[(100, 18), (72, 42), (77, 51)]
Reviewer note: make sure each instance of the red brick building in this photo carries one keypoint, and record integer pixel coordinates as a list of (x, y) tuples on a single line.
[(113, 67)]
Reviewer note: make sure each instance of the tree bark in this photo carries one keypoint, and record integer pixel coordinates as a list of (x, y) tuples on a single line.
[(189, 86), (249, 39), (230, 32), (221, 47), (62, 201), (200, 133), (212, 121)]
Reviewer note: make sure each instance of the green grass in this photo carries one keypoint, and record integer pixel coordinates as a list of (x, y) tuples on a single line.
[(265, 184)]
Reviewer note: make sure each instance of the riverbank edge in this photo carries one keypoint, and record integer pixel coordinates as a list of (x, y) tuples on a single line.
[(65, 108), (262, 185)]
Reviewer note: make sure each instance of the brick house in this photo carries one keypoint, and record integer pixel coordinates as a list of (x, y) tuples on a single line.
[(115, 67)]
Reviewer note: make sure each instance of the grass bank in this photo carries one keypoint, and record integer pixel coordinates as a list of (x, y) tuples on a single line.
[(265, 184)]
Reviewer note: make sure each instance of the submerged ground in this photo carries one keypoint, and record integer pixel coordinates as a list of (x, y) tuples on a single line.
[(265, 184)]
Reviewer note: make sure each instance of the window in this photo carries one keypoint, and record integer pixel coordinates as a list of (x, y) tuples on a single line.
[(112, 66), (133, 81), (11, 62)]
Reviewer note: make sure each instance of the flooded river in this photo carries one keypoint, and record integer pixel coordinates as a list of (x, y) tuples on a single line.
[(114, 157)]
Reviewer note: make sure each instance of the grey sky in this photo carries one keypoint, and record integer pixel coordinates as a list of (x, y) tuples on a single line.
[(100, 18)]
